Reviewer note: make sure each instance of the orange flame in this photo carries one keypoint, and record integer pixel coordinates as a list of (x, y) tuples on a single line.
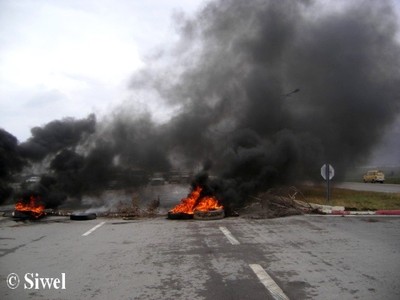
[(193, 202), (32, 207)]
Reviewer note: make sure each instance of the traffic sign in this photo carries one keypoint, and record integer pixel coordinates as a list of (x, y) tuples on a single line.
[(327, 171)]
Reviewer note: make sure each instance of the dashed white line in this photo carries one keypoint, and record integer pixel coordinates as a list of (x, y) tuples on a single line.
[(93, 229), (229, 235), (275, 291)]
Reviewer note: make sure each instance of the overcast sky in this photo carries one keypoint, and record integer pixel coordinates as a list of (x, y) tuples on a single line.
[(74, 57)]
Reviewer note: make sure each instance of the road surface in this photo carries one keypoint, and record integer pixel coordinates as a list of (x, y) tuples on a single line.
[(300, 257), (370, 187)]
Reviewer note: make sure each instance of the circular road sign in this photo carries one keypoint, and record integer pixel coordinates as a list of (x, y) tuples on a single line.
[(330, 171)]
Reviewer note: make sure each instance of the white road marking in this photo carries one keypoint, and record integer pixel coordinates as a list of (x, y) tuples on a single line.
[(229, 236), (93, 229), (268, 282)]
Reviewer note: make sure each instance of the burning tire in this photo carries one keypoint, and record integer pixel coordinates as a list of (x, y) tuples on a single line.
[(179, 216), (23, 215), (209, 214), (83, 216), (198, 206)]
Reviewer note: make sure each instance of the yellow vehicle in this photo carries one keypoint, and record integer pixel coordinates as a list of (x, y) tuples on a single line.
[(374, 176)]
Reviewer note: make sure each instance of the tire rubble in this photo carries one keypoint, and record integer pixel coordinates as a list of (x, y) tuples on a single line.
[(274, 203)]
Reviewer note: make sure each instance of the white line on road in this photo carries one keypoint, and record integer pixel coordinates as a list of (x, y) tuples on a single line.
[(93, 229), (229, 236), (268, 282)]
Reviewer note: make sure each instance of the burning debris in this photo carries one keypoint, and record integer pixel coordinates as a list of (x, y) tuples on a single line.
[(196, 204), (32, 208)]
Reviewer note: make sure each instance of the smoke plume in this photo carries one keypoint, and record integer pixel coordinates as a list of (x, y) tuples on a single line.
[(264, 91), (270, 90), (10, 162), (55, 136)]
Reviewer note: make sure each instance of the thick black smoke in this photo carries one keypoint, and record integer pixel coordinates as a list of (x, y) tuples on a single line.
[(265, 91), (55, 136), (271, 90), (56, 143), (10, 162), (137, 142)]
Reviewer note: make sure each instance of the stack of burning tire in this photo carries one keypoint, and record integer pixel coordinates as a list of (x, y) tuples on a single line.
[(198, 207), (204, 215), (215, 214), (179, 216)]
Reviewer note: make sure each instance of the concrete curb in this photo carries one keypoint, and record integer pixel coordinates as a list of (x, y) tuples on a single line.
[(349, 212), (340, 210), (394, 212)]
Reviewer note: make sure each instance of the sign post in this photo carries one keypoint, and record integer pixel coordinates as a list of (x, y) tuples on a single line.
[(327, 172)]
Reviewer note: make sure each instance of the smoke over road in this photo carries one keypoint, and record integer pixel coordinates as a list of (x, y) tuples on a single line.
[(263, 91), (55, 136), (269, 90)]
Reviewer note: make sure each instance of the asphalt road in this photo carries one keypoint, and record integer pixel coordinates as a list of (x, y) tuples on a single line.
[(307, 257), (370, 187)]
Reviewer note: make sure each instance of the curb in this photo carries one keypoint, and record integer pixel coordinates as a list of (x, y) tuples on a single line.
[(340, 211), (348, 212), (393, 212), (367, 212)]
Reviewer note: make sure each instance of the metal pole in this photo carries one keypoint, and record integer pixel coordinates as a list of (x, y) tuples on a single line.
[(327, 182)]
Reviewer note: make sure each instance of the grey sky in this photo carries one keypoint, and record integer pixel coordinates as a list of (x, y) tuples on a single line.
[(72, 58)]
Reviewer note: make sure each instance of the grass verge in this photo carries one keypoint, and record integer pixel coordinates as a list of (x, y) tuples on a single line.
[(393, 180), (353, 200)]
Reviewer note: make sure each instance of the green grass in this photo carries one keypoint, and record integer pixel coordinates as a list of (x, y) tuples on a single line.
[(351, 199), (393, 180)]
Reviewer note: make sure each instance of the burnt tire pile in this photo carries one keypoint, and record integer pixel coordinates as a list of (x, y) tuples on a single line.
[(179, 216), (198, 215), (209, 214)]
